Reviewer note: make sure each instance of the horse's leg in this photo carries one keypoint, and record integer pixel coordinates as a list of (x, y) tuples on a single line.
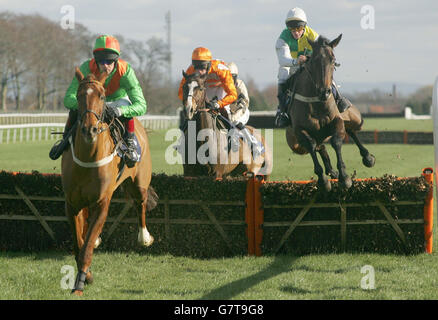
[(76, 223), (144, 237), (98, 215), (327, 164), (141, 197), (367, 159), (307, 142), (336, 142)]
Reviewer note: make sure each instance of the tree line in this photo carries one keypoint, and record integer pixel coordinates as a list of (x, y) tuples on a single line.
[(38, 57)]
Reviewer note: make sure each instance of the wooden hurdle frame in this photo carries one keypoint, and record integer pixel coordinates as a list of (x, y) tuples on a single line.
[(255, 216)]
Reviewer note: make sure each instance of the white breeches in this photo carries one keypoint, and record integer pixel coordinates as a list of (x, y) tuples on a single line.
[(241, 115), (121, 102), (285, 73)]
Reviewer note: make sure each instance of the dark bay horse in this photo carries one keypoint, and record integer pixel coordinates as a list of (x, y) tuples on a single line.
[(213, 157), (89, 176), (316, 118)]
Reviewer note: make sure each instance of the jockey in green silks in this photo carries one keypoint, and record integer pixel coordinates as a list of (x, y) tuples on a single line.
[(123, 94)]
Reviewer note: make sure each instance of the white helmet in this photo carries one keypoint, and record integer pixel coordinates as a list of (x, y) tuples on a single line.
[(233, 68), (296, 14)]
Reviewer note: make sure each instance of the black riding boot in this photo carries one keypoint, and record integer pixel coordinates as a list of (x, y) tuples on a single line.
[(282, 118), (59, 146), (131, 155), (342, 102)]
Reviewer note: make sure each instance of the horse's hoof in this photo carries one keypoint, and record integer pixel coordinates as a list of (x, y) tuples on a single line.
[(346, 183), (78, 293), (325, 185), (147, 242), (89, 279), (369, 161), (333, 174)]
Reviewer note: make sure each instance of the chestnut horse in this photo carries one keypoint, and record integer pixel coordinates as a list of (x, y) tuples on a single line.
[(213, 157), (316, 118), (89, 176)]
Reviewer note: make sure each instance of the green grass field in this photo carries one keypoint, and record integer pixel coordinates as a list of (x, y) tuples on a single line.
[(130, 275), (399, 160)]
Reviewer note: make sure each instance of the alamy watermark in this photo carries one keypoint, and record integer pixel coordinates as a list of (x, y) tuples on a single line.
[(208, 146), (68, 18), (68, 280), (368, 21), (368, 281)]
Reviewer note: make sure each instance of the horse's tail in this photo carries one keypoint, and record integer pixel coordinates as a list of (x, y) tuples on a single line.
[(152, 199)]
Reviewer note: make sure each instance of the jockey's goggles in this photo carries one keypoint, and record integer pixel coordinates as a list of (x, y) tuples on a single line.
[(296, 29), (200, 64), (104, 61)]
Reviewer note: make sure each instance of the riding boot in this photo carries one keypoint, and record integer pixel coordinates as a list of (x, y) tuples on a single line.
[(61, 145), (282, 118), (131, 156), (342, 102)]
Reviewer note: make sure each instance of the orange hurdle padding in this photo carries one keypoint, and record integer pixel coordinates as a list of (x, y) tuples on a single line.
[(258, 216), (428, 212), (249, 216)]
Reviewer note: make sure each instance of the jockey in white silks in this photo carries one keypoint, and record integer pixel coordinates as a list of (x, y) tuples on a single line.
[(238, 111)]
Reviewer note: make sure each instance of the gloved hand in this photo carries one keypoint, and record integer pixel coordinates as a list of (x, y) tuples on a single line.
[(212, 105), (113, 111)]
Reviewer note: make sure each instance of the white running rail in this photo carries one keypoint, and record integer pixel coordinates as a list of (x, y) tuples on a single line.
[(25, 127)]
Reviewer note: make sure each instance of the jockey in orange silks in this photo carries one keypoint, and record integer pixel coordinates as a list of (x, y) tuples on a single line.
[(220, 84)]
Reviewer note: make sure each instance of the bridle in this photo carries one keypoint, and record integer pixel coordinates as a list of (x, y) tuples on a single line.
[(99, 118), (105, 160), (200, 103), (323, 93)]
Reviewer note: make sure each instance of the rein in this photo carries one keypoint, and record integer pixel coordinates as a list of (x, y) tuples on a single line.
[(101, 162), (313, 98)]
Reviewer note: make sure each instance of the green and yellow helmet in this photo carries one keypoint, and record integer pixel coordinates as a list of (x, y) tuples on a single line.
[(106, 47)]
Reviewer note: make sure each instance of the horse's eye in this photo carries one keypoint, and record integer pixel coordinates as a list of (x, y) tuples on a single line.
[(102, 97)]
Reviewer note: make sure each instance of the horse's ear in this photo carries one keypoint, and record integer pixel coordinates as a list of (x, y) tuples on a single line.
[(335, 42), (79, 74)]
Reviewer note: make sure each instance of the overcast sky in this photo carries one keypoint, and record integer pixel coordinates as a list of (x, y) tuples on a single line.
[(402, 47)]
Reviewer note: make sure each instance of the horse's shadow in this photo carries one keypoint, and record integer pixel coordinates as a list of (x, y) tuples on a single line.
[(281, 264)]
